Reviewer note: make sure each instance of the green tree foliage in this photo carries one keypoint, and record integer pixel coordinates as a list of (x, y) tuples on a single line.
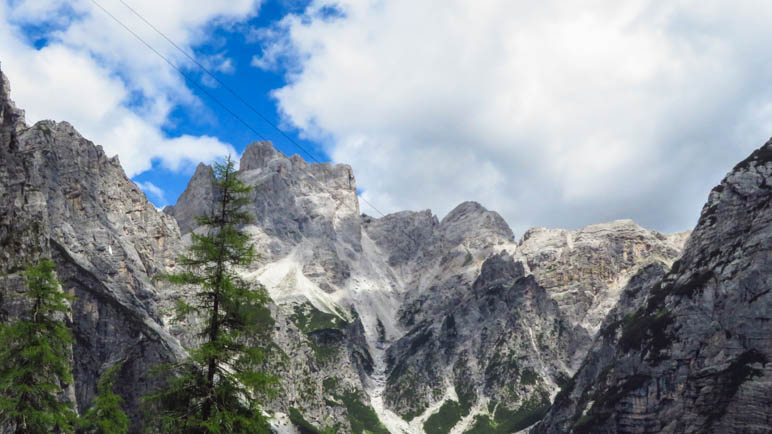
[(214, 390), (105, 415), (35, 364)]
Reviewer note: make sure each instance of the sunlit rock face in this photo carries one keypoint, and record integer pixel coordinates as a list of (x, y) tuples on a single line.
[(690, 351)]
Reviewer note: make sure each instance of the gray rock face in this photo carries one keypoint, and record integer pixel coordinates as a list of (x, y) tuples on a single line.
[(63, 198), (509, 357), (586, 270), (494, 347), (694, 355), (195, 201)]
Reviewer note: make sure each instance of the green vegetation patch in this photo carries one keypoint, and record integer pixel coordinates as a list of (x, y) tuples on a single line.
[(304, 426), (310, 319), (507, 421), (528, 376), (445, 419), (361, 417), (643, 327), (325, 353), (466, 397), (403, 383), (410, 414), (482, 425), (331, 385)]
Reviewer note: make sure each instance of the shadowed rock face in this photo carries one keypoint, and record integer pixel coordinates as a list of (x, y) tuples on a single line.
[(505, 341), (693, 353), (514, 340)]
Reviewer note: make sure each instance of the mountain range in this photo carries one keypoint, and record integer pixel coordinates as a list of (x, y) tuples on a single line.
[(406, 323)]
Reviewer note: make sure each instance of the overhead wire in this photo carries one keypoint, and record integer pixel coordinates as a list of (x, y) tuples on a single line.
[(220, 82), (178, 69), (231, 91)]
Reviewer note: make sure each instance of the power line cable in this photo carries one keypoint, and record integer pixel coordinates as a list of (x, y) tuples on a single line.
[(223, 84), (220, 82), (187, 78)]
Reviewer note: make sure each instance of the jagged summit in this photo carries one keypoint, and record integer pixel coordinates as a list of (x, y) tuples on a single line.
[(471, 221), (257, 155), (10, 115), (282, 183)]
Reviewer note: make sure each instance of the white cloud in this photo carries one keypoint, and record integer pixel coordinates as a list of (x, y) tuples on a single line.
[(226, 66), (553, 113), (95, 75)]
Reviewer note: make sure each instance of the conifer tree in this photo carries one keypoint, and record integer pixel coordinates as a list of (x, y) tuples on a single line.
[(213, 390), (105, 415), (35, 364)]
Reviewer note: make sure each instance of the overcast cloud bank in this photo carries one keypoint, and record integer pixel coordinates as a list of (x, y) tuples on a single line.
[(552, 113)]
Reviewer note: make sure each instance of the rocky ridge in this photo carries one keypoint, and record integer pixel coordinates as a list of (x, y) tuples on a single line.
[(517, 335)]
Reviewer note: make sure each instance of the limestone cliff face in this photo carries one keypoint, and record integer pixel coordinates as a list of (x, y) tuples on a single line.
[(690, 352), (63, 198)]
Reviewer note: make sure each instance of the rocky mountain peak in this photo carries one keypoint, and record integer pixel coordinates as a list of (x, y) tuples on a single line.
[(202, 171), (472, 221), (10, 115), (257, 155), (196, 200)]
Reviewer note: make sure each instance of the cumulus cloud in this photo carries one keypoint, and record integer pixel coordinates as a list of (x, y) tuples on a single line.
[(98, 77), (553, 113)]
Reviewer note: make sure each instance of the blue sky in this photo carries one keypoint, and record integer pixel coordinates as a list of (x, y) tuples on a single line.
[(232, 40), (557, 114), (252, 84)]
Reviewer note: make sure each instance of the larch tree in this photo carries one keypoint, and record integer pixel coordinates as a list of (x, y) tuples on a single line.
[(105, 415), (35, 359), (215, 389)]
